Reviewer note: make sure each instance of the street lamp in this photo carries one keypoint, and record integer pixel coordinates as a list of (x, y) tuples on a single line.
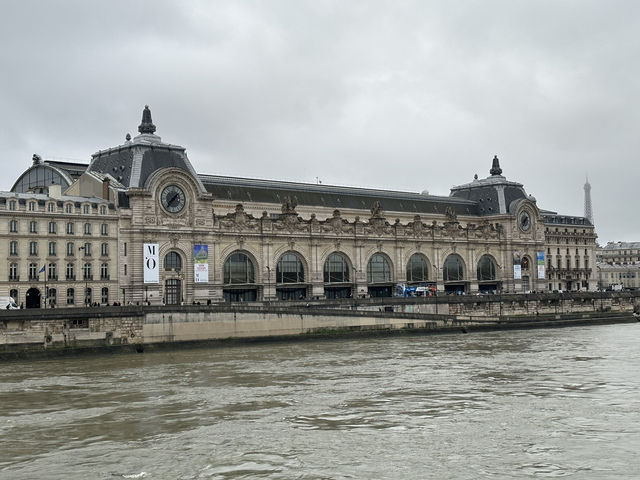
[(86, 281)]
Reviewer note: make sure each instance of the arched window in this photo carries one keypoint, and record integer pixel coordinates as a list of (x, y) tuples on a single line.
[(417, 270), (336, 269), (486, 268), (453, 270), (378, 269), (13, 293), (238, 268), (525, 263), (104, 297), (289, 269), (172, 261), (52, 296)]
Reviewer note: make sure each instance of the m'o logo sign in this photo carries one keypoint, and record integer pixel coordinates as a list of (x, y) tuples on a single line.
[(151, 263)]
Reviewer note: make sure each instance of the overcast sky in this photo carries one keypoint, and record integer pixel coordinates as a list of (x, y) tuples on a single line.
[(402, 95)]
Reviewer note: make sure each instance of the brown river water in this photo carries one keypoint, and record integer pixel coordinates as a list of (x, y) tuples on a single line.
[(513, 404)]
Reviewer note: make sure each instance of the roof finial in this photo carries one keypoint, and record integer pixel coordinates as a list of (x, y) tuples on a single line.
[(147, 125), (495, 167)]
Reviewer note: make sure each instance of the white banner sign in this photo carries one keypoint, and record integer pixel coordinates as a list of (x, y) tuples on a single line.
[(541, 271), (517, 272), (201, 263), (151, 263)]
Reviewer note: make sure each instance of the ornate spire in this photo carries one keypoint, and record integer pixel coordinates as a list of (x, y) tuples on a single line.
[(495, 167), (147, 125)]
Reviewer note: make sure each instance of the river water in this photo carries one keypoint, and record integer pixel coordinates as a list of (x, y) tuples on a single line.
[(512, 404)]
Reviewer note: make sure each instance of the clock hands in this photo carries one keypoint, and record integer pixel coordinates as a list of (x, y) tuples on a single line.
[(172, 199)]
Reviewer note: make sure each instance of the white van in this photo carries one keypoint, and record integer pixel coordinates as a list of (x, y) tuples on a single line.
[(8, 303)]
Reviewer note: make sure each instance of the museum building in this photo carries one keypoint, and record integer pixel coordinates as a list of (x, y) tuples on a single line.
[(139, 224)]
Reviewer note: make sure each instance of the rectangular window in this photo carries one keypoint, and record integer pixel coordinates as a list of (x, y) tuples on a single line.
[(52, 227), (32, 206), (33, 226), (104, 250), (87, 229), (103, 210), (13, 248), (13, 226), (104, 229), (104, 271), (125, 249), (51, 207), (68, 208), (33, 248), (85, 209), (70, 272), (86, 271), (52, 249), (52, 274), (70, 228), (13, 271), (33, 271), (70, 295), (70, 249), (87, 249), (12, 205)]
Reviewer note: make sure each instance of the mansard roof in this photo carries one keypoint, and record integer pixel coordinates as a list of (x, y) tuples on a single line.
[(43, 173), (621, 246), (553, 218), (493, 194), (133, 162), (244, 190)]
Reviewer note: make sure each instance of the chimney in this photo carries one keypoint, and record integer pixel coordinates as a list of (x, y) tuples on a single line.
[(55, 191), (105, 188)]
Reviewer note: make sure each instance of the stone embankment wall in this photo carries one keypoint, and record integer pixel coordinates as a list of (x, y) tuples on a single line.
[(135, 327)]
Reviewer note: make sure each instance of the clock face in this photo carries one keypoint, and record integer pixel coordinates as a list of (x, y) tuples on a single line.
[(173, 199), (525, 222)]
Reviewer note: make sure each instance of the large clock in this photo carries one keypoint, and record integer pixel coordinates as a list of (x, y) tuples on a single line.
[(525, 221), (173, 199)]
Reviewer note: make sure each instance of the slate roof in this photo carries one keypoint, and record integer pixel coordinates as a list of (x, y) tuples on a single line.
[(621, 246), (133, 162), (243, 190), (494, 194)]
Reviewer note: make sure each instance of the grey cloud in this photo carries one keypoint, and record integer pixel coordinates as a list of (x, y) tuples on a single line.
[(401, 95)]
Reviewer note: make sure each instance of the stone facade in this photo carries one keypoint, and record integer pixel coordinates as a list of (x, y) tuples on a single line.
[(618, 265), (260, 239), (64, 246)]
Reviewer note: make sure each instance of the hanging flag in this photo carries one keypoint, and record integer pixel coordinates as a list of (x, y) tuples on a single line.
[(43, 268)]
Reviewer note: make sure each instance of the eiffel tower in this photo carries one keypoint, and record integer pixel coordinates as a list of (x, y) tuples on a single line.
[(588, 210)]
